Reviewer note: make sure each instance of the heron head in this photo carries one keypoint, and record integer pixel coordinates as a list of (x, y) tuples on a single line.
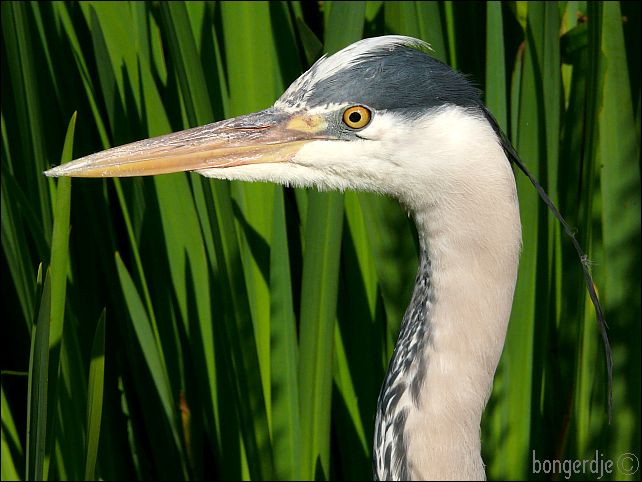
[(379, 115)]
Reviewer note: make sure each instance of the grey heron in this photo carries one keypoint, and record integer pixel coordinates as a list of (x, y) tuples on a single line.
[(381, 115)]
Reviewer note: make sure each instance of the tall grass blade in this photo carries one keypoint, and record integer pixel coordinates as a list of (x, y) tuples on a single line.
[(589, 198), (286, 422), (357, 341), (58, 270), (189, 71), (37, 390), (95, 398), (319, 297), (319, 284), (16, 30), (431, 28), (518, 352), (496, 89), (250, 50), (14, 204), (60, 245), (11, 448), (151, 353), (619, 153)]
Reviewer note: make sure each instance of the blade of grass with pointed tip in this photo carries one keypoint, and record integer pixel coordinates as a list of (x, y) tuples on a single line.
[(95, 398), (60, 242), (58, 271)]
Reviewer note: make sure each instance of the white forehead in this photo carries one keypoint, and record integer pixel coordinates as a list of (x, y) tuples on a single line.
[(346, 58)]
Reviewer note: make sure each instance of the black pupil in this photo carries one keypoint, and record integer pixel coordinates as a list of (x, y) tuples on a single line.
[(354, 117)]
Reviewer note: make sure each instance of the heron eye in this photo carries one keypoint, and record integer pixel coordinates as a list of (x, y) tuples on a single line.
[(356, 117)]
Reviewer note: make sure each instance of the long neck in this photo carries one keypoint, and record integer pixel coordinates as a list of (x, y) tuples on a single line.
[(473, 280), (451, 338)]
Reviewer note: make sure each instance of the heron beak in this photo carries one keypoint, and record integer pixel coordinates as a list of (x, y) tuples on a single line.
[(271, 135)]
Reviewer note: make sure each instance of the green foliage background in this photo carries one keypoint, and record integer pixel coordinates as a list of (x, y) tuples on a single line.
[(176, 327)]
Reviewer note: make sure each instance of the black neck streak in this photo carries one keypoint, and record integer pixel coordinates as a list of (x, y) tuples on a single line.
[(406, 372)]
